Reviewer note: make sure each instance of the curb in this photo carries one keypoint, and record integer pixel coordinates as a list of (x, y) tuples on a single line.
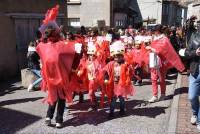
[(174, 107)]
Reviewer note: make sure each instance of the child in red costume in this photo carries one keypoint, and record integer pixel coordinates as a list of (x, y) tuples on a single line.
[(137, 54), (102, 54), (117, 78), (90, 69)]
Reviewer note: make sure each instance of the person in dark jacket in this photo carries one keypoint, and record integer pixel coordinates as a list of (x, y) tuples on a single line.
[(33, 64), (192, 52)]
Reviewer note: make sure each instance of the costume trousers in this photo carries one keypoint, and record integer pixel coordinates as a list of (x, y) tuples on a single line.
[(155, 75), (60, 110)]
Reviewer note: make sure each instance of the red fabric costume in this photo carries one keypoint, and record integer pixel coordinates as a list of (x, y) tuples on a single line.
[(168, 55), (168, 59), (124, 86), (51, 14), (57, 61), (79, 83)]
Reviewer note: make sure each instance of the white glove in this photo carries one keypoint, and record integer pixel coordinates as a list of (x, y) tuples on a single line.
[(78, 48), (182, 52)]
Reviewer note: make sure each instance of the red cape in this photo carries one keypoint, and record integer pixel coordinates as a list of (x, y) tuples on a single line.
[(56, 61), (167, 53)]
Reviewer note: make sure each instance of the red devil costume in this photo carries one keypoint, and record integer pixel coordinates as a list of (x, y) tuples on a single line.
[(57, 58), (117, 78), (167, 58)]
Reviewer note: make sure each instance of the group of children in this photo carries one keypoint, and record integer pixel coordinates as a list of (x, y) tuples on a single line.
[(107, 63)]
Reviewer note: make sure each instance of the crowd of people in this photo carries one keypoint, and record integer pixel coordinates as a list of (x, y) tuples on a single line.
[(107, 61)]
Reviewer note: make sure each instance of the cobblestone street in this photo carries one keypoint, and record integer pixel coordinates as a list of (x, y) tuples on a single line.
[(24, 112)]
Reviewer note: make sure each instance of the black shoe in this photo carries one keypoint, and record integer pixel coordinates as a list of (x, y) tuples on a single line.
[(80, 98), (122, 113), (93, 108), (140, 83), (111, 115)]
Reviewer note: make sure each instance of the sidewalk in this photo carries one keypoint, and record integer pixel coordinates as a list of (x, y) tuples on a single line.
[(183, 125)]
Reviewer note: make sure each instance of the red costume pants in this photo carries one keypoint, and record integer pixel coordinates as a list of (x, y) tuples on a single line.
[(155, 75)]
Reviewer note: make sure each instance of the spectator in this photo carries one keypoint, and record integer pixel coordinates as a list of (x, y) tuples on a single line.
[(83, 31), (192, 53), (190, 28), (174, 39), (33, 64)]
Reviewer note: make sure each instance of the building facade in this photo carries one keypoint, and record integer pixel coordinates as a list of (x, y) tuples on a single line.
[(151, 11), (173, 13), (194, 9), (94, 13), (19, 21), (166, 12)]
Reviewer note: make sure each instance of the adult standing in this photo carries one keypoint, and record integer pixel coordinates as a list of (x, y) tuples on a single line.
[(166, 58), (33, 64), (57, 58), (192, 53)]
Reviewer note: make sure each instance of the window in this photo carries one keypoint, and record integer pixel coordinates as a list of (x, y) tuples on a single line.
[(166, 9), (74, 22)]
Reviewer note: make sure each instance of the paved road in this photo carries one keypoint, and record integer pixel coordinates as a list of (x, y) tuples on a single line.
[(24, 112)]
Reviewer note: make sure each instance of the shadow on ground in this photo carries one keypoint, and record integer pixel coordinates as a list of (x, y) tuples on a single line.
[(17, 101), (11, 121), (9, 87), (181, 90), (134, 107)]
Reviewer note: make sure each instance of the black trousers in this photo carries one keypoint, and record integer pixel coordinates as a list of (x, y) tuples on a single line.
[(138, 72), (60, 110), (121, 103)]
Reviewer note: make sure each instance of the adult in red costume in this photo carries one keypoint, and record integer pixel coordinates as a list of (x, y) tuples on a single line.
[(56, 58), (167, 58)]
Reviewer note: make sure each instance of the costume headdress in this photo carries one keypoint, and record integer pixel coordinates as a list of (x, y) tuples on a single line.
[(117, 47)]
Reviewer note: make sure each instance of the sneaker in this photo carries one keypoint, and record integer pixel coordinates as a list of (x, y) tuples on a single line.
[(92, 108), (153, 99), (194, 120), (162, 97), (48, 121), (198, 127), (58, 125), (30, 88), (138, 83)]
